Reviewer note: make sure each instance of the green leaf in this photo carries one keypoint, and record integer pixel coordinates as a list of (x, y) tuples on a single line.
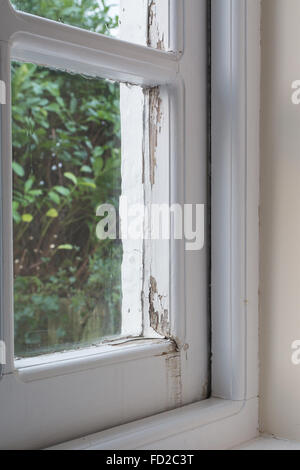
[(36, 192), (28, 185), (89, 184), (98, 152), (54, 197), (17, 218), (60, 101), (71, 177), (73, 104), (27, 218), (86, 169), (62, 190), (53, 107), (52, 213), (65, 247), (18, 169), (70, 126)]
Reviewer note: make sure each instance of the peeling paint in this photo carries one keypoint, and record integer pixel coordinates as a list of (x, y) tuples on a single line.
[(159, 321), (154, 37), (146, 128), (159, 316), (155, 126)]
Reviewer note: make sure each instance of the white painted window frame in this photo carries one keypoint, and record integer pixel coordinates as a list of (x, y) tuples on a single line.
[(58, 397), (230, 416)]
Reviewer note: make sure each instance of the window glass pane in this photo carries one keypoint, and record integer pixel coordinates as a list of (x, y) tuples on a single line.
[(66, 162), (100, 16)]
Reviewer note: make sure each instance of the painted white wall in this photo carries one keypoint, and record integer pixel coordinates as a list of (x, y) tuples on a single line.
[(280, 219)]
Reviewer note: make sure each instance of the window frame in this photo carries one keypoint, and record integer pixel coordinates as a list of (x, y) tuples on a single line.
[(175, 375), (230, 416), (35, 39)]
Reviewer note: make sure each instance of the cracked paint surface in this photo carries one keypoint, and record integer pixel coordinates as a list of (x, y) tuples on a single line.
[(155, 126), (155, 38), (159, 316)]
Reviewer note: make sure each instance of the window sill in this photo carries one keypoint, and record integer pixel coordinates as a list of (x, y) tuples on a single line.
[(119, 351), (265, 442), (211, 424)]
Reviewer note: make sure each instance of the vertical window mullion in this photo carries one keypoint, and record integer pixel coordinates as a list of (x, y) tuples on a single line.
[(6, 213)]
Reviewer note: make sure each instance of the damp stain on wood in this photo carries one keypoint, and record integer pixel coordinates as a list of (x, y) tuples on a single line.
[(159, 321), (174, 382)]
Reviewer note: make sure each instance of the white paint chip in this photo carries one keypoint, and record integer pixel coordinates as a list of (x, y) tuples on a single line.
[(2, 92)]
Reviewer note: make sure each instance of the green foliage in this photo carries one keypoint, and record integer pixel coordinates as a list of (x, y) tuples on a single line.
[(89, 14), (66, 161)]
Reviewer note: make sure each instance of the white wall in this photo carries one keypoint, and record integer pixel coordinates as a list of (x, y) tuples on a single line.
[(280, 219)]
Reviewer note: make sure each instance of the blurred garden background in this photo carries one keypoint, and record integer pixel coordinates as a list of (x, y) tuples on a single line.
[(66, 162)]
